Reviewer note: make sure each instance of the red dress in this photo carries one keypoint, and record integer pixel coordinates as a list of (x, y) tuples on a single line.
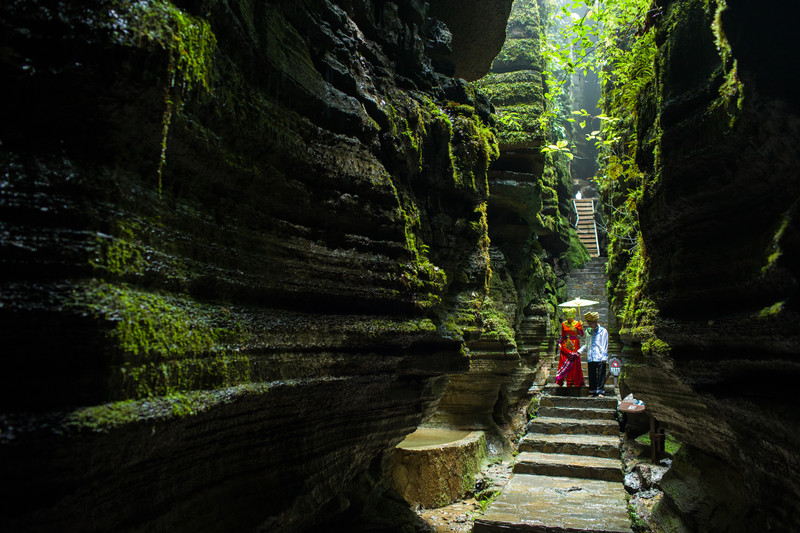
[(569, 363)]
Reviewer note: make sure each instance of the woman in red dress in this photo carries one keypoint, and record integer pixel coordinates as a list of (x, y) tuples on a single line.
[(569, 363)]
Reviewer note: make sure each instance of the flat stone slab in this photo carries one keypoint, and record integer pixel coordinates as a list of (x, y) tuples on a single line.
[(609, 402), (577, 412), (595, 445), (573, 426), (556, 504), (565, 465)]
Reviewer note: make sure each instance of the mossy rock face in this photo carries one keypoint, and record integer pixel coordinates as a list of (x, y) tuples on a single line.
[(435, 475), (519, 54), (226, 218), (697, 127)]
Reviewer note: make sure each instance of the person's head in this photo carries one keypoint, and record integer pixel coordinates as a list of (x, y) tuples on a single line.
[(591, 318), (569, 313)]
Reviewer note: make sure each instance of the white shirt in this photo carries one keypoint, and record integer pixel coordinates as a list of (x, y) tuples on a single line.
[(598, 345)]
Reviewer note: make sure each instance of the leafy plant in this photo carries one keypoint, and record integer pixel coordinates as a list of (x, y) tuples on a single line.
[(611, 40)]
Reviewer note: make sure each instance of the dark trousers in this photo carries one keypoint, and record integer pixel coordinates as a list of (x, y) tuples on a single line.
[(597, 376)]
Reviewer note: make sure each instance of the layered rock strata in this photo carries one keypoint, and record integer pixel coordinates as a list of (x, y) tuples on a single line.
[(532, 247), (718, 260), (242, 244)]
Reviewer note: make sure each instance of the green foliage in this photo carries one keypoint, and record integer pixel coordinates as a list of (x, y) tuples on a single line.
[(607, 39), (615, 41), (559, 147)]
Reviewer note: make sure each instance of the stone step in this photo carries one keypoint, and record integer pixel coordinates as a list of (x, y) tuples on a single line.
[(558, 464), (577, 412), (530, 503), (548, 400), (575, 392), (594, 445), (572, 426)]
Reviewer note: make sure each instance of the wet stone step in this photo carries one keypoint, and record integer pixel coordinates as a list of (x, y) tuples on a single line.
[(573, 426), (557, 464), (577, 412), (556, 504), (595, 445)]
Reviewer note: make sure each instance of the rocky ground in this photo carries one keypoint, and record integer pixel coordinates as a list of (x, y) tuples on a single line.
[(641, 481), (458, 516)]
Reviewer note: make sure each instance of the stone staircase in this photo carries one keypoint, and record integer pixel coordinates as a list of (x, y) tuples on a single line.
[(568, 474), (587, 231)]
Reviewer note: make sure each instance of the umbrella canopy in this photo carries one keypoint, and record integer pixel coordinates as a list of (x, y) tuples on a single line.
[(578, 302)]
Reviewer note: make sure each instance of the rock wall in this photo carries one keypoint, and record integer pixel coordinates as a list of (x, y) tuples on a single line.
[(718, 256), (244, 246), (532, 246)]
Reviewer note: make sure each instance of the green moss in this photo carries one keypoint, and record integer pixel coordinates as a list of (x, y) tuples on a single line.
[(732, 89), (427, 280), (111, 415), (152, 323), (576, 255), (533, 408), (774, 250), (377, 327), (165, 343), (772, 311), (655, 347), (520, 124), (637, 523), (473, 147), (497, 325), (463, 315), (190, 45), (524, 53), (120, 255), (173, 376)]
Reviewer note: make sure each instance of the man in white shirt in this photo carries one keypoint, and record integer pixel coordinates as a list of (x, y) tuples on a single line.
[(597, 354)]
